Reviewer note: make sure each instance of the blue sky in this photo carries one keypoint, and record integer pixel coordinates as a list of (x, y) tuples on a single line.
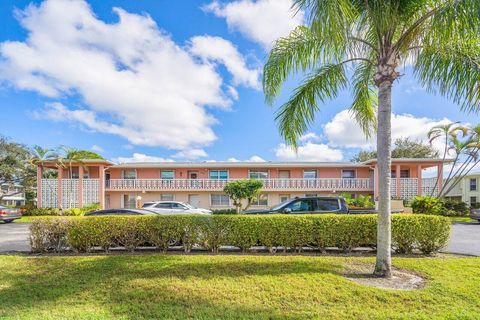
[(170, 80)]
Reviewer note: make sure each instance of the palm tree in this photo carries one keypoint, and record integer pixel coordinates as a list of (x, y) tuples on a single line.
[(39, 155), (372, 39)]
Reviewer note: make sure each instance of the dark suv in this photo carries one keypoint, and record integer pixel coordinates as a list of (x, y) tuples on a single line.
[(307, 205)]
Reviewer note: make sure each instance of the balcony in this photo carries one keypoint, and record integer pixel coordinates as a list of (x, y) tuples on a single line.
[(324, 184)]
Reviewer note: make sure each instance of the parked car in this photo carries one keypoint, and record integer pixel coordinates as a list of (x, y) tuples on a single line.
[(7, 215), (475, 214), (307, 205), (120, 211), (174, 207)]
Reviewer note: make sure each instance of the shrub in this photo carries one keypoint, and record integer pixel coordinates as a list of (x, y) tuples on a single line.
[(50, 234), (42, 212), (346, 232), (439, 206), (225, 211), (360, 202)]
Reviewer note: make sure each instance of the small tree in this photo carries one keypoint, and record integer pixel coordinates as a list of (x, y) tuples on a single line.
[(246, 189)]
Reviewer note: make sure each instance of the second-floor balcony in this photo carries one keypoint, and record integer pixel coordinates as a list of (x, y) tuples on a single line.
[(327, 184)]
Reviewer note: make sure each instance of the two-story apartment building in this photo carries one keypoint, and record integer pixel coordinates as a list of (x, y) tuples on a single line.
[(201, 183), (467, 190)]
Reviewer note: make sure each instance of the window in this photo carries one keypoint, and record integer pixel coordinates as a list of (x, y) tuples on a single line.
[(310, 174), (129, 201), (405, 173), (473, 201), (310, 195), (86, 173), (284, 197), (219, 200), (305, 205), (327, 205), (164, 205), (258, 174), (167, 197), (130, 174), (473, 184), (219, 174), (167, 174), (262, 200), (348, 174)]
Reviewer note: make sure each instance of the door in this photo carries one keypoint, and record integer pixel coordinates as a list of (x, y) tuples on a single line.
[(194, 200), (193, 176), (284, 176)]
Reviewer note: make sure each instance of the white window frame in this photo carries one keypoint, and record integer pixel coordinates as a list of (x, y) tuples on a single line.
[(217, 170), (134, 170), (354, 173), (284, 195), (219, 205), (167, 170), (259, 170), (257, 202), (167, 194), (313, 170)]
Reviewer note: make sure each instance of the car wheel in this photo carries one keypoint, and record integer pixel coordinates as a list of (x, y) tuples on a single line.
[(7, 221)]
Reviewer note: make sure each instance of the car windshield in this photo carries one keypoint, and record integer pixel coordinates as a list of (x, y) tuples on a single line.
[(280, 205)]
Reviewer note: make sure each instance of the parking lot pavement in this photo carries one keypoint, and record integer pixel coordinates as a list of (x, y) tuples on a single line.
[(14, 237), (465, 238)]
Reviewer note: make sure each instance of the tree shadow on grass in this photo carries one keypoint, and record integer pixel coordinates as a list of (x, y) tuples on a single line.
[(143, 286)]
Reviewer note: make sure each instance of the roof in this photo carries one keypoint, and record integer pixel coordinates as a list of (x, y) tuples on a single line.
[(421, 160), (236, 164), (266, 164), (84, 161)]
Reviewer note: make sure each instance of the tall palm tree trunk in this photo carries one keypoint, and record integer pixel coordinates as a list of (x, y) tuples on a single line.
[(384, 132)]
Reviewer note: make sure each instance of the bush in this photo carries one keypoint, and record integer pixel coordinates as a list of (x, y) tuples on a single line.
[(439, 206), (292, 232), (360, 202), (42, 212), (225, 211)]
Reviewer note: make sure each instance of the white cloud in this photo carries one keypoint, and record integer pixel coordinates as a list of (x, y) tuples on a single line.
[(310, 136), (343, 131), (190, 154), (233, 160), (134, 80), (140, 157), (222, 51), (262, 21), (96, 148), (256, 159), (309, 151)]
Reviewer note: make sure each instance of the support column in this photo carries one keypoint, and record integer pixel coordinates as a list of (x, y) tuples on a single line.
[(440, 177), (59, 187), (419, 180), (101, 186), (39, 186), (397, 181), (80, 186)]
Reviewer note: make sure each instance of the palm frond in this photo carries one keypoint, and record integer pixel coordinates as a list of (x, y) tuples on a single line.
[(365, 100), (453, 70), (295, 116)]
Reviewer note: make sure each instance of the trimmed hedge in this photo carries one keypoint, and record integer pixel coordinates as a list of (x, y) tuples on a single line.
[(428, 234)]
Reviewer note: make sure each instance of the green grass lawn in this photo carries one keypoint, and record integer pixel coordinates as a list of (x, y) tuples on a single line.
[(228, 287)]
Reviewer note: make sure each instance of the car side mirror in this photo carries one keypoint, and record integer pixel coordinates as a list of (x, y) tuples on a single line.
[(287, 210)]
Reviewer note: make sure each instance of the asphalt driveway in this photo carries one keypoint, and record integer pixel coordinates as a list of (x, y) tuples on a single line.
[(465, 238), (14, 237)]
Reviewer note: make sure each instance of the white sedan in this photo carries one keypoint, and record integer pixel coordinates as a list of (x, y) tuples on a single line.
[(174, 207)]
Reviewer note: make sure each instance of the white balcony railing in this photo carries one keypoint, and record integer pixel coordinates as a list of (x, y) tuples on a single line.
[(360, 184)]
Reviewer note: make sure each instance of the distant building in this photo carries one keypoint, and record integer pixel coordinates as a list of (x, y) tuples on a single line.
[(15, 195), (467, 190), (201, 183)]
